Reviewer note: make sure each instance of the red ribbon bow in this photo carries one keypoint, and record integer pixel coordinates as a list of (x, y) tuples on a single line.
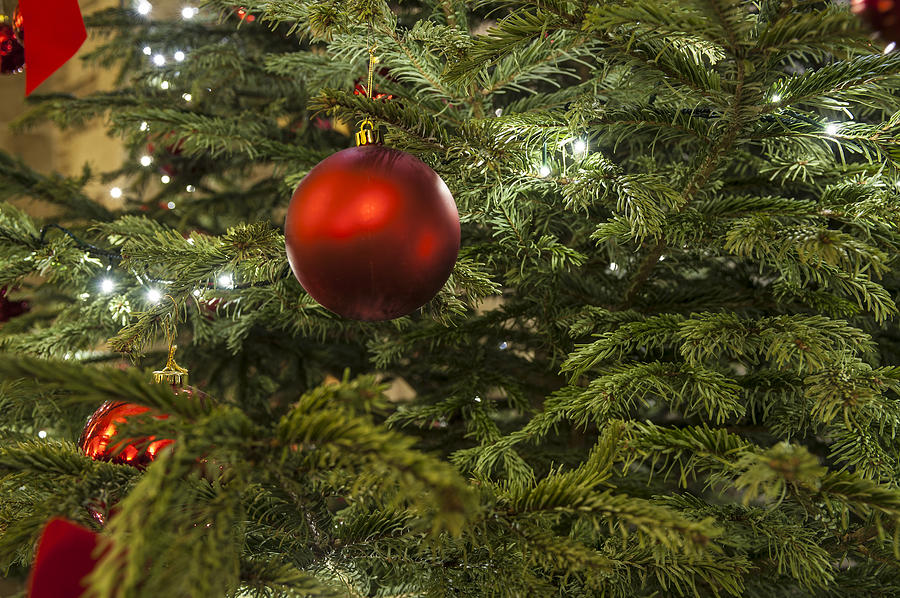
[(55, 32)]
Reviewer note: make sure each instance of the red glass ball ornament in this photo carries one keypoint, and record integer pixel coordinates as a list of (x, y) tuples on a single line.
[(372, 233), (19, 25), (97, 438), (65, 556), (12, 54), (881, 15)]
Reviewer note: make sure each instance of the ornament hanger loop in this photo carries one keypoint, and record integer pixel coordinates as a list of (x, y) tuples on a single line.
[(368, 134)]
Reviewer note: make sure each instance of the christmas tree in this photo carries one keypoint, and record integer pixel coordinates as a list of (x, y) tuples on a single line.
[(664, 362)]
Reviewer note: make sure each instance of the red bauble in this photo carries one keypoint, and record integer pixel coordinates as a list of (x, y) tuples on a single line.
[(12, 54), (18, 22), (64, 558), (372, 233), (97, 437), (882, 15)]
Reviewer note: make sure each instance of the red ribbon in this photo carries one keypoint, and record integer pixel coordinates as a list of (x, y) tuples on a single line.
[(65, 556), (55, 32)]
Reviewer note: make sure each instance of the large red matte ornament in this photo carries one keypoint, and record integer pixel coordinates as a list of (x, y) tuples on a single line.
[(97, 437), (882, 15), (64, 558), (372, 233), (55, 32)]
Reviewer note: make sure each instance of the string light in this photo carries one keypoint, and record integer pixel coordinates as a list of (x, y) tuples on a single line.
[(107, 286), (776, 97), (613, 267), (164, 85), (832, 128), (544, 170), (144, 126), (159, 60), (146, 160), (171, 205), (196, 292), (579, 146), (187, 97), (165, 179), (226, 281), (190, 188), (188, 12), (115, 192), (178, 56), (144, 7), (503, 346), (890, 47), (153, 296), (42, 434), (148, 50)]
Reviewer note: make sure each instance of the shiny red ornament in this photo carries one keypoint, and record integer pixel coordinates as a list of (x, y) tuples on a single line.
[(97, 439), (65, 556), (243, 15), (18, 22), (372, 233), (12, 54), (881, 15)]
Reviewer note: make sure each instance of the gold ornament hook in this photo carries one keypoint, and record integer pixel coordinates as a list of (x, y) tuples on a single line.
[(172, 373)]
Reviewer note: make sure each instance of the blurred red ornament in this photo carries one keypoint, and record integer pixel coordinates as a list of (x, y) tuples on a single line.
[(97, 438), (65, 556), (19, 25), (881, 15), (243, 15), (12, 54), (360, 90), (11, 309), (372, 233)]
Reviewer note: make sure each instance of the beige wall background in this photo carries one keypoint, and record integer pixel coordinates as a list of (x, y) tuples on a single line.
[(46, 148)]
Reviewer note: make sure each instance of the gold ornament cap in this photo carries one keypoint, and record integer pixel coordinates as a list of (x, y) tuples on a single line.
[(367, 134)]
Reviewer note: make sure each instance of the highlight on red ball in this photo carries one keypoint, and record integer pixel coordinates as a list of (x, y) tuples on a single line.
[(97, 439)]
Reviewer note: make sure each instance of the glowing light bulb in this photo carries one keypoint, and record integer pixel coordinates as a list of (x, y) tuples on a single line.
[(164, 85), (890, 47), (107, 285), (832, 128), (503, 346), (178, 56), (190, 188), (498, 112), (159, 60), (187, 97), (188, 12), (115, 192), (148, 50), (613, 267), (42, 434), (579, 146), (153, 296), (144, 7), (146, 160), (226, 281), (171, 205), (776, 97), (144, 126), (164, 179), (544, 170), (196, 292)]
